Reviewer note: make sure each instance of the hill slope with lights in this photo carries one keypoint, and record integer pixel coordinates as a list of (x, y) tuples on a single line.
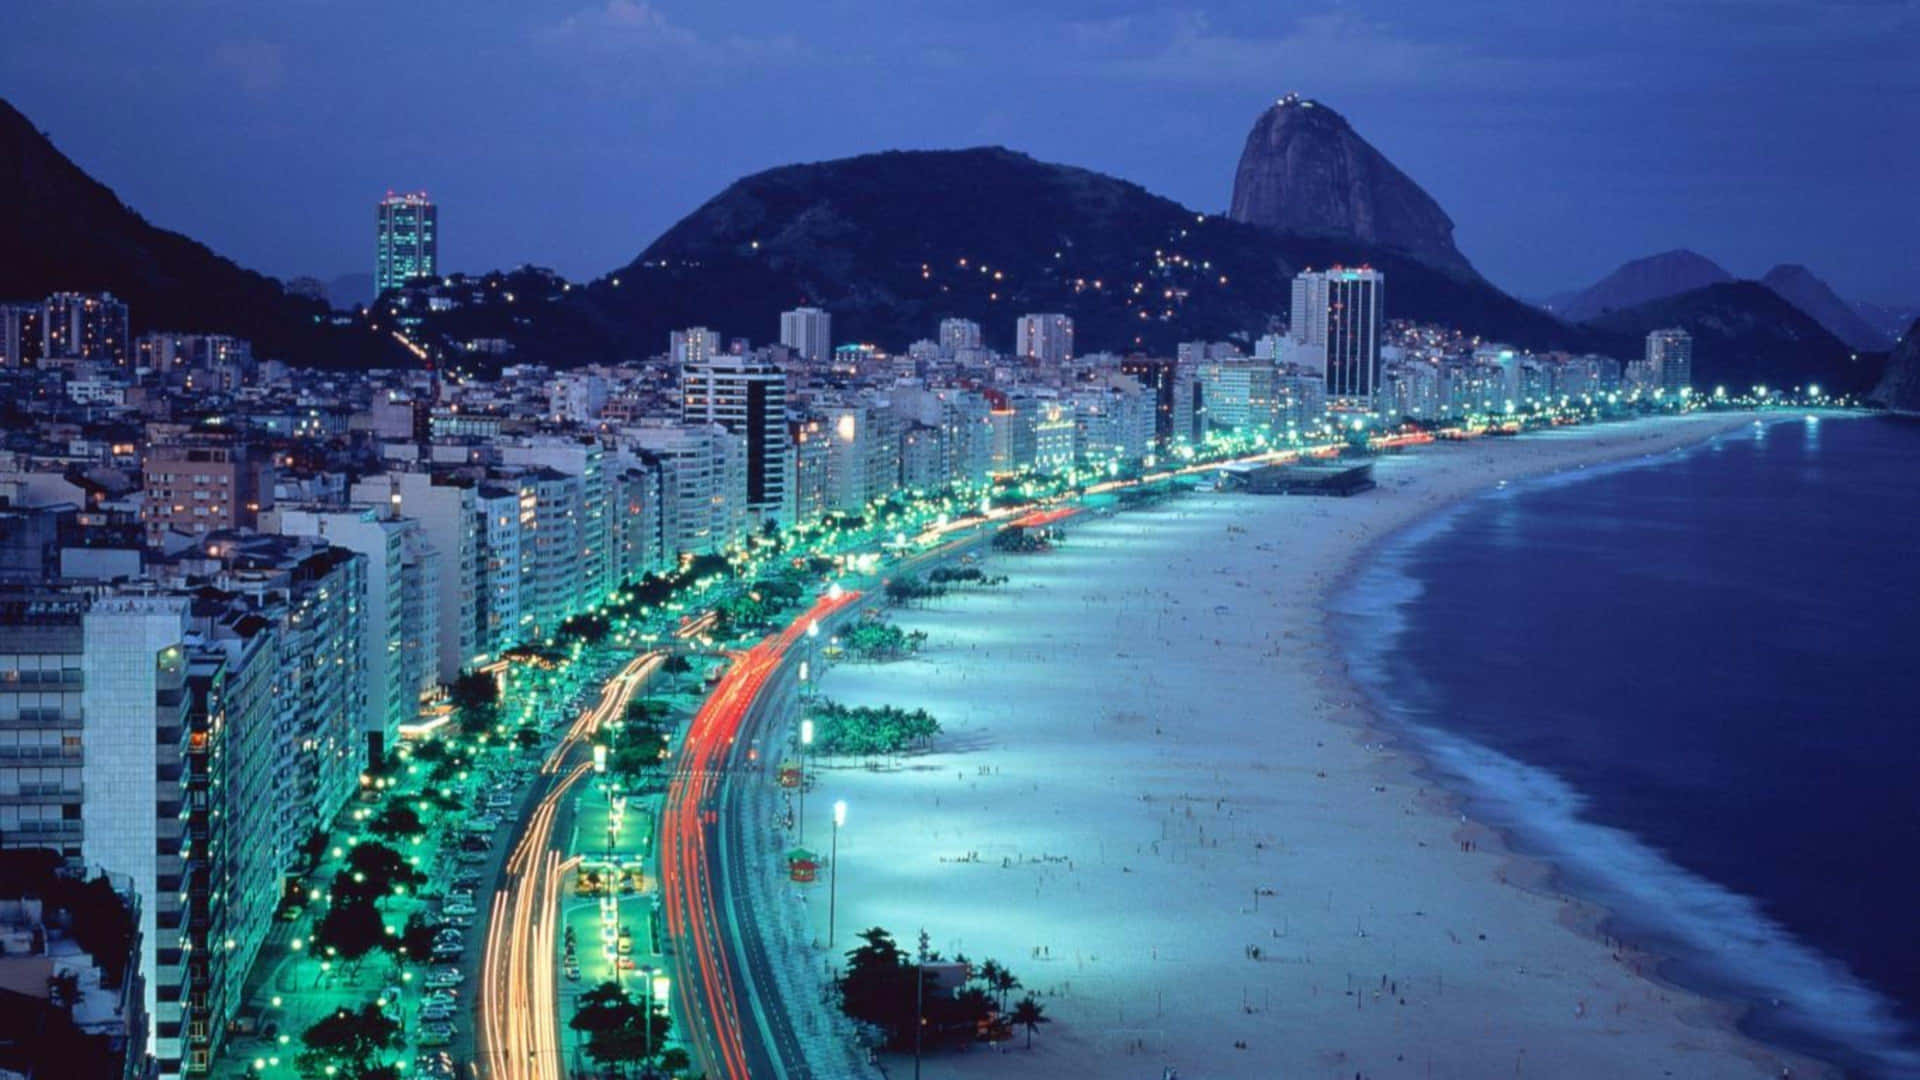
[(893, 242)]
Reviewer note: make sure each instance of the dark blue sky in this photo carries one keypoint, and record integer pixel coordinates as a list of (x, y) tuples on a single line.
[(1563, 139)]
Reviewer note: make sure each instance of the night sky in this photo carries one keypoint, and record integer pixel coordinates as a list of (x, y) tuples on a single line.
[(1563, 139)]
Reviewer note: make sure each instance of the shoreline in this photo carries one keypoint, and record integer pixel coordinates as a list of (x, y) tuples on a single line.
[(1538, 873), (1724, 999), (1387, 761)]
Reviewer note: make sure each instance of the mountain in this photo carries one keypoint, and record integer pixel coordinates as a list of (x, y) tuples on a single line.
[(1890, 321), (891, 243), (1808, 293), (1745, 334), (1899, 387), (1304, 170), (1655, 277), (68, 232)]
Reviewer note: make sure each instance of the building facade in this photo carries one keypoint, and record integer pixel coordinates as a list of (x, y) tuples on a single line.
[(1338, 312), (748, 397), (808, 331), (406, 240)]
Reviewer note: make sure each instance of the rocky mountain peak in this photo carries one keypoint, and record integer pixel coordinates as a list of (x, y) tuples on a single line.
[(1305, 170)]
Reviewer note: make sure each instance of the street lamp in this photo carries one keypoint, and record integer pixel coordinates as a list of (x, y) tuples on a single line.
[(806, 743), (833, 878)]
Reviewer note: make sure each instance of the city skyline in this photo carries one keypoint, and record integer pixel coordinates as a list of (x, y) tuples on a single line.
[(1287, 639), (1616, 138)]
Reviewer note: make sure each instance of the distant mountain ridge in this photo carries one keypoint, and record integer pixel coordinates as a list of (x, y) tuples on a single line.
[(1745, 334), (1304, 170), (1671, 273), (1810, 294), (890, 243), (68, 232), (1655, 277)]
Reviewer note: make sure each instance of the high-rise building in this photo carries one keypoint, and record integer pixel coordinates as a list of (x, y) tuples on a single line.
[(809, 332), (1044, 339), (448, 511), (573, 513), (958, 334), (693, 345), (748, 397), (703, 483), (1156, 377), (21, 337), (501, 565), (399, 647), (406, 240), (1670, 353), (85, 326), (203, 486), (1338, 311)]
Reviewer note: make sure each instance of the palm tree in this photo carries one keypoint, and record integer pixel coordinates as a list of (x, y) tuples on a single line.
[(989, 975), (1029, 1014), (1005, 982)]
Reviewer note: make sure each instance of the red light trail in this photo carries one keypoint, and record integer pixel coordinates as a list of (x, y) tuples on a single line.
[(706, 976)]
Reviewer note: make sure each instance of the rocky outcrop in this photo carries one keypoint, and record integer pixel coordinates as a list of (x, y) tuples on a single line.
[(1643, 281), (1305, 170)]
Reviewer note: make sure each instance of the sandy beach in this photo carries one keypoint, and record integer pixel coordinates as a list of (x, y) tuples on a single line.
[(1159, 801)]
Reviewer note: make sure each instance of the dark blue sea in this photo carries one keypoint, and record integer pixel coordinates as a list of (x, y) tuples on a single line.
[(1692, 684)]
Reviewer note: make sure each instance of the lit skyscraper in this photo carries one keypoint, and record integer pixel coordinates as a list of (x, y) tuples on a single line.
[(1670, 355), (406, 240), (1044, 339), (807, 331), (1338, 312)]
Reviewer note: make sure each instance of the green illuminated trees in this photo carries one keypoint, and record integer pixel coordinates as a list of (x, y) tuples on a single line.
[(347, 1042), (877, 641), (861, 729), (620, 1030), (397, 820), (909, 589)]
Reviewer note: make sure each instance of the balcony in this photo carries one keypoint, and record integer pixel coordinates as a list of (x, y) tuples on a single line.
[(39, 794)]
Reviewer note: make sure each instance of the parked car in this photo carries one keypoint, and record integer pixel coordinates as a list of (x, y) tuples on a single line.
[(444, 977), (457, 908), (436, 1034)]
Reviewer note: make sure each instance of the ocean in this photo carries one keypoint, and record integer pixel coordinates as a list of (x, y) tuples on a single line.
[(1691, 683)]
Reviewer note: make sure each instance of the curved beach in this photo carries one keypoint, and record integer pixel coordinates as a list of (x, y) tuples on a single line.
[(1162, 803)]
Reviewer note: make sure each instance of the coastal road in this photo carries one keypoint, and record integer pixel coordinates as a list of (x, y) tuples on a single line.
[(733, 1017), (518, 1010)]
